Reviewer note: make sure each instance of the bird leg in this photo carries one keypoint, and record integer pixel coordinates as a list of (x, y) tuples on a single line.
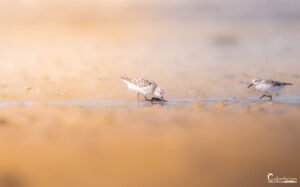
[(146, 98), (263, 96), (138, 97), (270, 96)]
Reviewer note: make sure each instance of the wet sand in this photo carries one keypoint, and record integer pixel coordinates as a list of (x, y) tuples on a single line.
[(66, 118)]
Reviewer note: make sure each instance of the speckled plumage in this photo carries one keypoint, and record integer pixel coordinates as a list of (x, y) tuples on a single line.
[(143, 86), (140, 82), (268, 86)]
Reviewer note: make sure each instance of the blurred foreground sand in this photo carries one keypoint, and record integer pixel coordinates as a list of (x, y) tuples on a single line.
[(147, 146)]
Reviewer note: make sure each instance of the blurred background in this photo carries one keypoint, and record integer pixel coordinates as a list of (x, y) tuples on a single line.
[(97, 11), (89, 44)]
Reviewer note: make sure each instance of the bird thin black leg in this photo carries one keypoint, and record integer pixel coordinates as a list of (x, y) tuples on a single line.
[(138, 97), (263, 96), (270, 96)]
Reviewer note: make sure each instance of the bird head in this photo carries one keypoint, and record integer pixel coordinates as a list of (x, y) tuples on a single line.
[(159, 93), (255, 82)]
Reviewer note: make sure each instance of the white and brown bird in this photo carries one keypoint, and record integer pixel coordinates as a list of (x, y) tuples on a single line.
[(144, 86), (268, 86)]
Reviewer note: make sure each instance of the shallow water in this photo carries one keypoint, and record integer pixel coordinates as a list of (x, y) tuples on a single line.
[(96, 103)]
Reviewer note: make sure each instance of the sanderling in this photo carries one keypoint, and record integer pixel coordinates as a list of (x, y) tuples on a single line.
[(268, 86), (144, 86)]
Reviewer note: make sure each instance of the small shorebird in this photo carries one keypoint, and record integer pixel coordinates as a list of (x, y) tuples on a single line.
[(267, 86), (144, 86)]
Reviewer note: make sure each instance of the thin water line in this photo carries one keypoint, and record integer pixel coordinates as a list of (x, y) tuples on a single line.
[(293, 100)]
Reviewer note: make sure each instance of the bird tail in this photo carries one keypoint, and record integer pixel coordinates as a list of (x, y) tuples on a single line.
[(287, 83)]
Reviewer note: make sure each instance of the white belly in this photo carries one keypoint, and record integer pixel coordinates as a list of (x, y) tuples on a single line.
[(268, 88)]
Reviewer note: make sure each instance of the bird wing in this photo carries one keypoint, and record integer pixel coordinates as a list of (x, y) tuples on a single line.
[(140, 82), (277, 83)]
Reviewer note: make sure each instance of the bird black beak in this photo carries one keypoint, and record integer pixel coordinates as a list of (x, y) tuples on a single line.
[(250, 85), (163, 99)]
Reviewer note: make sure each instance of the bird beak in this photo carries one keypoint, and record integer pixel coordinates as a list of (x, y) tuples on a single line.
[(250, 85)]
